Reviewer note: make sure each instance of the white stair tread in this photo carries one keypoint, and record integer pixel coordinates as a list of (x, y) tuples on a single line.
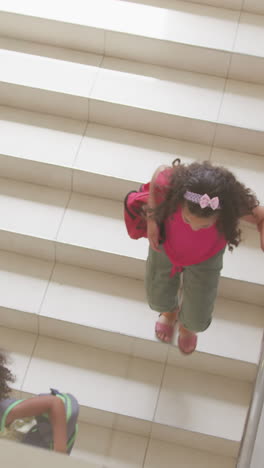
[(130, 155), (30, 209), (249, 256), (186, 396), (113, 314), (107, 151), (105, 448), (57, 144), (97, 223), (40, 212), (49, 68), (34, 360), (242, 105), (118, 304), (29, 278), (135, 156), (232, 4), (177, 93), (57, 358), (172, 33), (129, 392), (115, 153), (39, 88), (170, 21), (134, 392), (255, 6), (165, 454), (27, 455), (43, 150), (39, 137), (250, 35), (175, 21), (114, 83), (233, 321)]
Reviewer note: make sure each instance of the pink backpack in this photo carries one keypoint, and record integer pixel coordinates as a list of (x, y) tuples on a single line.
[(134, 215)]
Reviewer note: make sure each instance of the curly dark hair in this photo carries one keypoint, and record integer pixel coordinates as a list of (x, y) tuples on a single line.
[(236, 200), (6, 376)]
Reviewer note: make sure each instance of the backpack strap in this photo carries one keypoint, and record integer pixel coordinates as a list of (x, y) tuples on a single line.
[(132, 215), (72, 413)]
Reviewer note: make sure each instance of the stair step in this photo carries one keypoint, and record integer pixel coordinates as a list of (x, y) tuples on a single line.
[(43, 150), (112, 314), (253, 6), (27, 455), (232, 4), (39, 221), (99, 447), (247, 57), (31, 217), (31, 278), (181, 107), (46, 78), (201, 110), (176, 34), (134, 393), (102, 161), (105, 448), (256, 6)]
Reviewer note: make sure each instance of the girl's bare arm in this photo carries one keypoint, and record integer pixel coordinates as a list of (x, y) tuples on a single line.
[(51, 405), (151, 201), (257, 218)]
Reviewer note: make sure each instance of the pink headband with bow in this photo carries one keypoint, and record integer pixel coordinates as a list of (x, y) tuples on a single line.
[(203, 200)]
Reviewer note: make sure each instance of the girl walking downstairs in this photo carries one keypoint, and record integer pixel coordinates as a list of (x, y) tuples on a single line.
[(199, 207)]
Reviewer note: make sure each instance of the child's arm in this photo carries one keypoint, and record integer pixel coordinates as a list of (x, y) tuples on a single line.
[(257, 218), (51, 405), (151, 201)]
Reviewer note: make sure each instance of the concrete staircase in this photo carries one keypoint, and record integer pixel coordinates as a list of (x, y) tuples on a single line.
[(94, 96)]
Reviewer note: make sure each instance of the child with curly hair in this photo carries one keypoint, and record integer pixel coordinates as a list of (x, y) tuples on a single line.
[(199, 207), (21, 414)]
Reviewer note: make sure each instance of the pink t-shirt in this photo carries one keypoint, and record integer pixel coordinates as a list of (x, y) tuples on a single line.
[(182, 245)]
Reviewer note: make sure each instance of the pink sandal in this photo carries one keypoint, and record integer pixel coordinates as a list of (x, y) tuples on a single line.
[(166, 328), (187, 341)]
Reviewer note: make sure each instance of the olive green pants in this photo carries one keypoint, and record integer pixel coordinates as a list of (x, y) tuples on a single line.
[(200, 284)]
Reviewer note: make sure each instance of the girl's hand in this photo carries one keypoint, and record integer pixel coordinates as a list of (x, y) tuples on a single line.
[(257, 218), (261, 231), (153, 234)]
